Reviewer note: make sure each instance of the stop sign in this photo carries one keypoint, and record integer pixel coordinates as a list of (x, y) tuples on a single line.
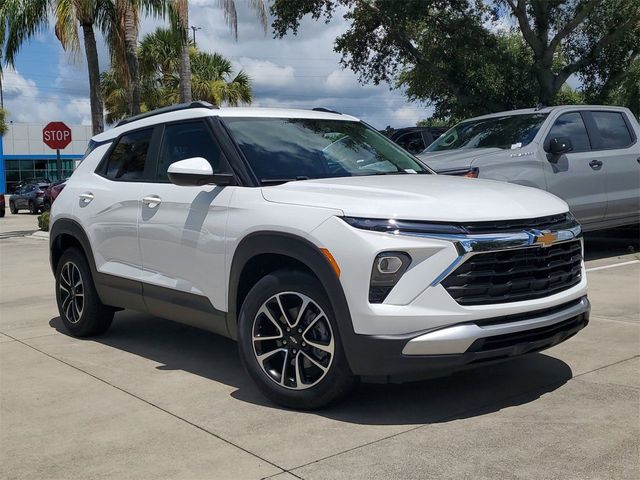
[(56, 135)]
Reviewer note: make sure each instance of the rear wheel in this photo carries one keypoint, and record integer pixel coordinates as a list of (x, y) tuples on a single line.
[(79, 306), (12, 207), (289, 342), (33, 210)]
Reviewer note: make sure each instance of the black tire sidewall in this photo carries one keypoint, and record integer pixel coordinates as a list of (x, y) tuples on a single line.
[(32, 208), (12, 207), (96, 317), (338, 379)]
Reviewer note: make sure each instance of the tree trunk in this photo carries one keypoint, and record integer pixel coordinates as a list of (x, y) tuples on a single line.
[(95, 94), (185, 61), (131, 55)]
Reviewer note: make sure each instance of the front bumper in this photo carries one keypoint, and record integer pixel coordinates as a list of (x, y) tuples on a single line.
[(441, 351)]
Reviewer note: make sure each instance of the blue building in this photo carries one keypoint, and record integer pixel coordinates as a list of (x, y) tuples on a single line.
[(23, 154)]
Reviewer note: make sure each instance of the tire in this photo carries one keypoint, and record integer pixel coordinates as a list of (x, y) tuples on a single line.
[(1, 212), (82, 312), (315, 377), (46, 206), (33, 210), (12, 207)]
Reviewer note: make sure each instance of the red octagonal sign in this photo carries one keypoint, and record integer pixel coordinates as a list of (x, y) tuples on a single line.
[(56, 135)]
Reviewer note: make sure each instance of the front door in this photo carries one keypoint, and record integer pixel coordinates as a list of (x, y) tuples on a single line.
[(182, 232), (577, 177)]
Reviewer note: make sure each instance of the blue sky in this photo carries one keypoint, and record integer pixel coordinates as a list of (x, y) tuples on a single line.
[(297, 71)]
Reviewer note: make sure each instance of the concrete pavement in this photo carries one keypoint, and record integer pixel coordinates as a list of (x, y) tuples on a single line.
[(153, 399)]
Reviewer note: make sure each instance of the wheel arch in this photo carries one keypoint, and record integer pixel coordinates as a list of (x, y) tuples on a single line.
[(66, 233), (292, 251)]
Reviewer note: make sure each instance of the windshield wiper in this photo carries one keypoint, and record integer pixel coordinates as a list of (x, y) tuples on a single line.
[(278, 181)]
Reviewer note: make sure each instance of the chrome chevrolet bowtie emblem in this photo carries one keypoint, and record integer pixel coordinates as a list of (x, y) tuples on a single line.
[(544, 239)]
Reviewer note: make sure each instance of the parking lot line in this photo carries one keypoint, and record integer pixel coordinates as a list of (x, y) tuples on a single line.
[(613, 265)]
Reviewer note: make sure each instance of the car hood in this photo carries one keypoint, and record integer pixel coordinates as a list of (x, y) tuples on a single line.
[(419, 197), (452, 159)]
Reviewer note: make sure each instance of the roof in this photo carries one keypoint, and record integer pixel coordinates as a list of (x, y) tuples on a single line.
[(200, 112), (546, 110)]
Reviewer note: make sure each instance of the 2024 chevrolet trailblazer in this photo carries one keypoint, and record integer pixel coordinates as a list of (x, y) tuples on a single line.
[(328, 252)]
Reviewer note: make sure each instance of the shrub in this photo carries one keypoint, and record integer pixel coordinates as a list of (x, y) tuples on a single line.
[(43, 221)]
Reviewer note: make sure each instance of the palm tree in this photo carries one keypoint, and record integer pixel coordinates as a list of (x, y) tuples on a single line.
[(180, 22), (122, 35), (21, 19), (212, 77)]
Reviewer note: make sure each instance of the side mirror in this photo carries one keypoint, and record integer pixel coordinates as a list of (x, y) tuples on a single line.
[(196, 172), (559, 146)]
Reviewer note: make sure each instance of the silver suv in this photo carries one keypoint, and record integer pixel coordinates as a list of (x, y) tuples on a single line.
[(588, 155)]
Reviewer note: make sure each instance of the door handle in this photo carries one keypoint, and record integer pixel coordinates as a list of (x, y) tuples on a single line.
[(86, 197), (152, 201), (595, 164)]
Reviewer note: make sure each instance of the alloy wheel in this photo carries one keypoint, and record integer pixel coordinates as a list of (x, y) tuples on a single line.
[(71, 292), (293, 341)]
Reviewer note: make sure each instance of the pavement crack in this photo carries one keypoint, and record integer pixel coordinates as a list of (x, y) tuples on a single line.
[(605, 366), (151, 404)]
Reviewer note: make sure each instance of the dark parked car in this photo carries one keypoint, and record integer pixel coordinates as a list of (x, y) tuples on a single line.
[(414, 139), (52, 192), (29, 196), (30, 180), (1, 205)]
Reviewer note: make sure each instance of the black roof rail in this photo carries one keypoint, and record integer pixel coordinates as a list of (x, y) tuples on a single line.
[(170, 108), (323, 109)]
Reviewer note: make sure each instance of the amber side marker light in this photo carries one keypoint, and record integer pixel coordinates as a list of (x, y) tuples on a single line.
[(461, 172), (332, 261)]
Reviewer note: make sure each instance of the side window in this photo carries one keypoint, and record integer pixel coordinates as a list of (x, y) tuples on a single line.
[(613, 130), (188, 140), (127, 159), (571, 125)]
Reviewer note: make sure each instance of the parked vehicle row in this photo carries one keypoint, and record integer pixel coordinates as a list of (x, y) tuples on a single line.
[(33, 194), (328, 252)]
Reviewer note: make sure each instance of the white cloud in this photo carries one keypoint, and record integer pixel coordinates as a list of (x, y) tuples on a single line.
[(266, 74), (27, 103)]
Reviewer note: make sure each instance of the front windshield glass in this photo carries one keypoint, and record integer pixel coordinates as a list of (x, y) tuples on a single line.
[(284, 149), (511, 131)]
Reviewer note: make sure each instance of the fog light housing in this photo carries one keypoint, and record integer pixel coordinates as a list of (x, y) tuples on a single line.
[(388, 268)]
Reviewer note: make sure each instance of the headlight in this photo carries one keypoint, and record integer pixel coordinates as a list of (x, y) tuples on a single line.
[(388, 268), (403, 226)]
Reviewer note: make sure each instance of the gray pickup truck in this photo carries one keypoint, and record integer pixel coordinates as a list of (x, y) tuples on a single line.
[(587, 155)]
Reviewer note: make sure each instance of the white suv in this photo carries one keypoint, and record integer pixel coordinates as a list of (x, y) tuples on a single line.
[(328, 252)]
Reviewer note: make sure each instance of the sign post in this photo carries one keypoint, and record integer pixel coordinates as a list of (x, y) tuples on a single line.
[(57, 135)]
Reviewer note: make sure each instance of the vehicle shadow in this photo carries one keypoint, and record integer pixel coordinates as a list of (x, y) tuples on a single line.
[(612, 243), (465, 394)]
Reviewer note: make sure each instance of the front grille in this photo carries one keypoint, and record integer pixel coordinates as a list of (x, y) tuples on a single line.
[(516, 274)]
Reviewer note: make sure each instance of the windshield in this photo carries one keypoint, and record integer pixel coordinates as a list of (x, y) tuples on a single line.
[(283, 149), (512, 131)]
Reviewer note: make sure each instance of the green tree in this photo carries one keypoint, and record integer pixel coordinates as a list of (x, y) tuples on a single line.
[(212, 77), (3, 121), (22, 19), (180, 23), (451, 53)]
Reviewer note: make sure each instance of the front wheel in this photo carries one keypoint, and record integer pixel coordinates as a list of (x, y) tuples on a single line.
[(12, 207), (79, 306), (290, 344)]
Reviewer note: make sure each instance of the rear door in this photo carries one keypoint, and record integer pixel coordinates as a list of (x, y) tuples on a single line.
[(109, 205), (616, 146), (578, 177), (182, 230)]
